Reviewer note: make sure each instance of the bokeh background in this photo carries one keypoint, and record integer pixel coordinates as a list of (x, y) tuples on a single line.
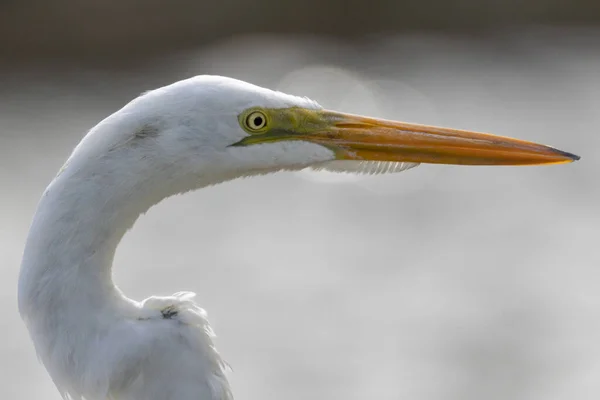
[(436, 283)]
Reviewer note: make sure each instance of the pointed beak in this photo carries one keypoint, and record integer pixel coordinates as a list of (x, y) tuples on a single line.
[(354, 137)]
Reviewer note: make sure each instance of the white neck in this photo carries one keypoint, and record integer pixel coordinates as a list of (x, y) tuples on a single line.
[(79, 222), (72, 242), (66, 293)]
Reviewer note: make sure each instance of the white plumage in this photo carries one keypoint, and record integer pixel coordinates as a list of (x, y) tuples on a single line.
[(96, 343)]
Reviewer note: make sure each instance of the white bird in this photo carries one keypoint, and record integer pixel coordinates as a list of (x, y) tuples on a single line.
[(96, 343)]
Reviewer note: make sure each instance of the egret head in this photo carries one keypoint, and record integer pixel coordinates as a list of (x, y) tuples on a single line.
[(211, 125)]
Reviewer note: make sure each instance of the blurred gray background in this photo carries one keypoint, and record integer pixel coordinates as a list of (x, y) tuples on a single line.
[(437, 283)]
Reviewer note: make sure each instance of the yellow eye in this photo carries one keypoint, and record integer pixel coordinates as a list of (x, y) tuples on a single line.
[(256, 121)]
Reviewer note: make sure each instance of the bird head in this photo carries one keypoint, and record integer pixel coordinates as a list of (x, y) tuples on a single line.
[(211, 125)]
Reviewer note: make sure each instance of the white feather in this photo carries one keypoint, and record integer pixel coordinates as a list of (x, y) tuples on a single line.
[(364, 167)]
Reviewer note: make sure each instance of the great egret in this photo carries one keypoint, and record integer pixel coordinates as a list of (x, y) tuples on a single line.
[(97, 344)]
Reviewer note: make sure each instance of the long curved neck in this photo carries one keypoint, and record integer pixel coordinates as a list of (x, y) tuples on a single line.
[(70, 248), (79, 222), (67, 297)]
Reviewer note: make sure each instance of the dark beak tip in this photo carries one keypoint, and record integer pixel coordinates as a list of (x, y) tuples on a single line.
[(566, 154)]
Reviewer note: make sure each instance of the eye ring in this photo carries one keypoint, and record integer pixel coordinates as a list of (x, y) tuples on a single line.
[(256, 121)]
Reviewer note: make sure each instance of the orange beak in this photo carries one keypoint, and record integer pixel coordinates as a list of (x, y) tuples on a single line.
[(354, 137)]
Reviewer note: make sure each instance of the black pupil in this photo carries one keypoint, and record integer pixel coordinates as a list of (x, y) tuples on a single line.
[(258, 121)]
